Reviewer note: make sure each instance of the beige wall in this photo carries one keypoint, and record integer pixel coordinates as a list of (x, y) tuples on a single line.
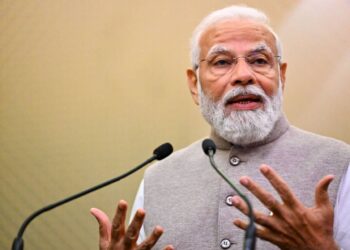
[(89, 88)]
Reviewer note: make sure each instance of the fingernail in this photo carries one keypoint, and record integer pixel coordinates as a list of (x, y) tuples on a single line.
[(122, 205), (264, 169), (235, 200), (236, 223), (140, 213), (93, 211), (244, 181), (158, 230)]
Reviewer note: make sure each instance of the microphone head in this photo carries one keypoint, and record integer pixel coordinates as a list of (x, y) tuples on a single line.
[(163, 151), (208, 145)]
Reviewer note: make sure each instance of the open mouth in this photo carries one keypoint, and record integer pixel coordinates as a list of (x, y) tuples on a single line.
[(244, 99), (245, 102)]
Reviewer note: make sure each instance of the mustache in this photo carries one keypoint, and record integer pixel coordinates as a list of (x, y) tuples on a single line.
[(248, 90)]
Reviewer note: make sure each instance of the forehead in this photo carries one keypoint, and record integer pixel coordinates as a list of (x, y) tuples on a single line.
[(236, 35)]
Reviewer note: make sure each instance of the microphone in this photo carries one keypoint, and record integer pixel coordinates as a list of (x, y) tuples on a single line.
[(209, 149), (163, 151), (159, 153)]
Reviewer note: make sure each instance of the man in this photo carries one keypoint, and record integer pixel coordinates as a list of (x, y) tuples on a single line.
[(237, 78)]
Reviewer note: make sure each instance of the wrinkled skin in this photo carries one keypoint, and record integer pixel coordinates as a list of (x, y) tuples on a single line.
[(115, 235), (292, 226)]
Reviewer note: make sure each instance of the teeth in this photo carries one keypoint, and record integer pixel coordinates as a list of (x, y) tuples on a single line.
[(243, 100)]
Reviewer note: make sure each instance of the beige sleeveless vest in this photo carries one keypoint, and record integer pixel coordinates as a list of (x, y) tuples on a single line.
[(185, 195)]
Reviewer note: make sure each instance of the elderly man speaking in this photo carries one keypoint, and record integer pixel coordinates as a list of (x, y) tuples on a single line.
[(298, 182)]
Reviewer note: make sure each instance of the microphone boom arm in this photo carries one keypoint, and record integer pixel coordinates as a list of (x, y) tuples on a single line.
[(250, 236), (159, 153), (18, 242)]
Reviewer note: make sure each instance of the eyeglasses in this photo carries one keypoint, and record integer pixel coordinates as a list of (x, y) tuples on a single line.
[(221, 64)]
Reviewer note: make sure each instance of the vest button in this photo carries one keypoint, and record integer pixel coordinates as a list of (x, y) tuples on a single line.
[(225, 244), (235, 161), (228, 200)]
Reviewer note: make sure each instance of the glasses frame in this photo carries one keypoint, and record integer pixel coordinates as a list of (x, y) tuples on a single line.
[(235, 59)]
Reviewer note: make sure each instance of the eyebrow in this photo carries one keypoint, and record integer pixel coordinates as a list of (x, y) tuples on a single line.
[(260, 48), (217, 49)]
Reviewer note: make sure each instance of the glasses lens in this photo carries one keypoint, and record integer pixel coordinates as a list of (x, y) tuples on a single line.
[(260, 62), (220, 64)]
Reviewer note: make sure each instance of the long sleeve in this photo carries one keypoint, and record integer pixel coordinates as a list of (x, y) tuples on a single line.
[(342, 214), (138, 203)]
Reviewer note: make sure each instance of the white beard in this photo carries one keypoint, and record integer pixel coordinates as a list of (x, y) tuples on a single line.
[(242, 127)]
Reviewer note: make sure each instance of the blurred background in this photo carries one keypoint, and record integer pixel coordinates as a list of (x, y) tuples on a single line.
[(89, 88)]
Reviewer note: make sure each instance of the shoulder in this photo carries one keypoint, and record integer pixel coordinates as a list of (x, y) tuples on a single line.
[(308, 139), (178, 160)]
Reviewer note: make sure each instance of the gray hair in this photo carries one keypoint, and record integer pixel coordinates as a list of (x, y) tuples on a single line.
[(232, 12)]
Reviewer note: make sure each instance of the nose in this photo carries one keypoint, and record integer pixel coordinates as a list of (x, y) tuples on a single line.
[(242, 73)]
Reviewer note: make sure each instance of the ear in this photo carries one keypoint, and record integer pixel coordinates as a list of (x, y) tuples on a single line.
[(283, 70), (192, 82)]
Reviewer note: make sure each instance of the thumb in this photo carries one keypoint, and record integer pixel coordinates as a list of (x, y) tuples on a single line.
[(104, 227), (321, 193)]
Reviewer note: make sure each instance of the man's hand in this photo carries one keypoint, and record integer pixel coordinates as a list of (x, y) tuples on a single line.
[(114, 236), (292, 225)]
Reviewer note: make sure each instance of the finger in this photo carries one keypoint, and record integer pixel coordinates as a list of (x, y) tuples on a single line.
[(321, 193), (265, 197), (118, 226), (104, 227), (133, 230), (152, 239), (260, 218), (169, 247), (280, 185), (261, 232)]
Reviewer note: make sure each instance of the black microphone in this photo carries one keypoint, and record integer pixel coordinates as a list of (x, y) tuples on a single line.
[(209, 149), (159, 153)]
